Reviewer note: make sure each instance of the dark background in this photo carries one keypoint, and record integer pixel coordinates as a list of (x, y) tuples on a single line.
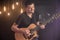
[(43, 7)]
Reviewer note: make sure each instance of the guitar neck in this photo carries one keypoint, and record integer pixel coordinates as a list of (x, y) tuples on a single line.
[(55, 16)]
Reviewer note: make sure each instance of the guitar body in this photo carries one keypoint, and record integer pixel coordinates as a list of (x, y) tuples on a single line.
[(20, 36)]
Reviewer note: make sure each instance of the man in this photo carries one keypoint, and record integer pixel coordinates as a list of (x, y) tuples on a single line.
[(24, 20)]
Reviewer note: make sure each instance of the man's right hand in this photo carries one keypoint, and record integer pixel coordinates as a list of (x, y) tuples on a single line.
[(25, 31)]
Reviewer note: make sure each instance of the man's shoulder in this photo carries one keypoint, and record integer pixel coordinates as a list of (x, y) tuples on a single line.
[(22, 15)]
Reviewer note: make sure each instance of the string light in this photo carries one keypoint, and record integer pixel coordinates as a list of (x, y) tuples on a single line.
[(0, 12), (4, 8), (17, 3), (21, 10), (13, 7), (8, 14)]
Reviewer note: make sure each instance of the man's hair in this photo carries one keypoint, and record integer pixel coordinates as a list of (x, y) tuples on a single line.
[(28, 2)]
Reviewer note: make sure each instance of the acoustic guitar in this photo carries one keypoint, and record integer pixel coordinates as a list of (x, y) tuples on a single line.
[(33, 28)]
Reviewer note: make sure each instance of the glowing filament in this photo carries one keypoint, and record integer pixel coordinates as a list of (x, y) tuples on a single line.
[(21, 10), (8, 14), (17, 3), (13, 6), (0, 12), (4, 8)]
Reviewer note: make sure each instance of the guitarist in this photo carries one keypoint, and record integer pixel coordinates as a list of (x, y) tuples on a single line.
[(24, 20)]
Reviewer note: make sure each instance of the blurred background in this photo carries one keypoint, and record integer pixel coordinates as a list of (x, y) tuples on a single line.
[(10, 9)]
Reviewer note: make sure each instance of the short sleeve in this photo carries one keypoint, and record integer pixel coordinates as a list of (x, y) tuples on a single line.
[(18, 20)]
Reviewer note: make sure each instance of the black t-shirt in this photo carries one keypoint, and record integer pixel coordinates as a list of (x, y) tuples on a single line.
[(24, 21)]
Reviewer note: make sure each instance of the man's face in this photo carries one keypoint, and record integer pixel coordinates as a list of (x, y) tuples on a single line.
[(30, 8)]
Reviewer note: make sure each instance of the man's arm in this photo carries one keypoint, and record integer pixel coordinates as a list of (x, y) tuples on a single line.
[(15, 28)]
